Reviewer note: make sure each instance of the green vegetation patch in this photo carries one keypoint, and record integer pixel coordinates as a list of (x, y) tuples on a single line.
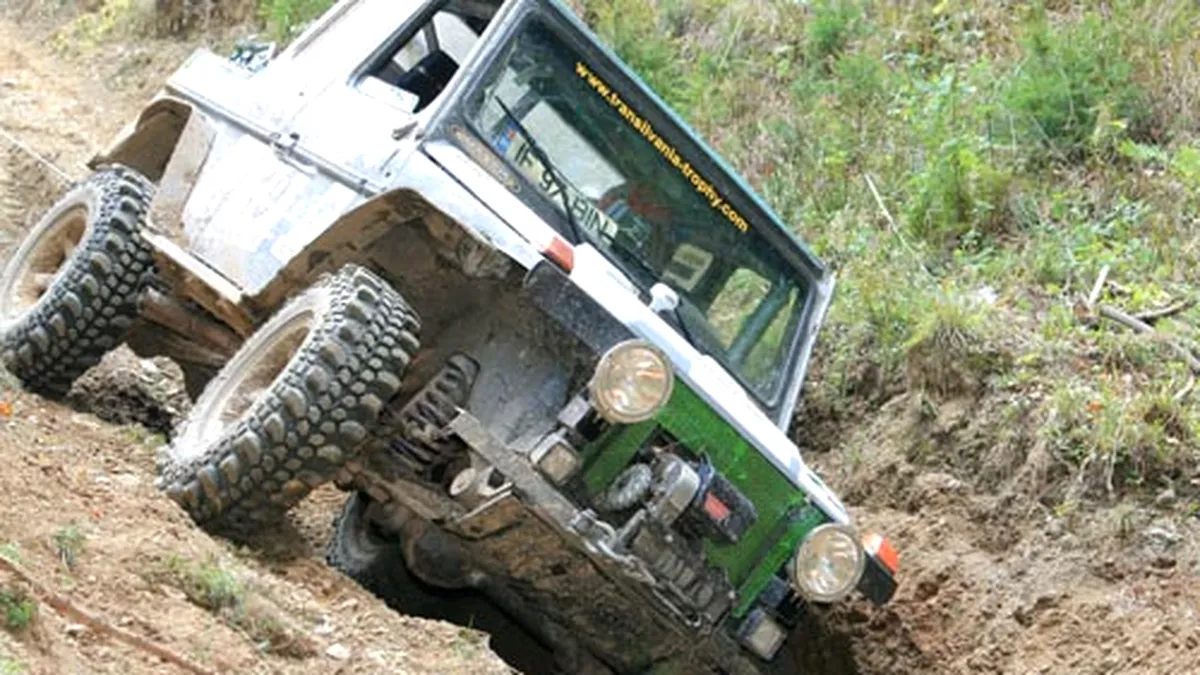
[(214, 586)]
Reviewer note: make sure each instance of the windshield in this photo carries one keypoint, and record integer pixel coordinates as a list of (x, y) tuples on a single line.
[(635, 198)]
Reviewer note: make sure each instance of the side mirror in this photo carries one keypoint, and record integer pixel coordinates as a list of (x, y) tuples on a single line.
[(663, 298), (251, 55)]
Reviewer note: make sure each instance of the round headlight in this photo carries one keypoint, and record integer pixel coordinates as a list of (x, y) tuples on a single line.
[(632, 382), (829, 563)]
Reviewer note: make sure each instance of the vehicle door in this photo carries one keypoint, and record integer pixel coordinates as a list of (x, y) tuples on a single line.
[(295, 146), (378, 71)]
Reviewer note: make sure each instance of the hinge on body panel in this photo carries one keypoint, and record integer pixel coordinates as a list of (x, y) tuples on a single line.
[(281, 148)]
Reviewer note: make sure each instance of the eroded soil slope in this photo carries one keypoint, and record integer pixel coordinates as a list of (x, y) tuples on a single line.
[(80, 511), (993, 580)]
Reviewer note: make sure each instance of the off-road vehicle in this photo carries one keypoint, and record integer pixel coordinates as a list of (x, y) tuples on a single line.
[(454, 257)]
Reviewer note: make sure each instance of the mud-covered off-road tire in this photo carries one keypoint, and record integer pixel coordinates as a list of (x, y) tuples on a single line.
[(364, 555), (86, 297), (262, 437)]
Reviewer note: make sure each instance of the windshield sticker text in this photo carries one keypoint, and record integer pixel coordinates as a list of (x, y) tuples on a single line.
[(583, 210), (668, 152)]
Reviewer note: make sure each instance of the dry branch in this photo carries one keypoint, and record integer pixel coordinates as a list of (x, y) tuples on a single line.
[(1139, 326), (1097, 288), (887, 215), (1170, 310), (1187, 389), (65, 607), (892, 226)]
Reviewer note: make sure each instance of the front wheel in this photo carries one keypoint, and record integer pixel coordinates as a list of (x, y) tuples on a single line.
[(299, 400), (365, 554), (69, 293)]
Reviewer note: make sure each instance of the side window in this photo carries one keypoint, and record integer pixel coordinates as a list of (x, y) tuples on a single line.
[(735, 302), (419, 66), (751, 317)]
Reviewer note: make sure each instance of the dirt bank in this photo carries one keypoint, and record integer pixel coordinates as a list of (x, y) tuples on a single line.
[(81, 512), (993, 580)]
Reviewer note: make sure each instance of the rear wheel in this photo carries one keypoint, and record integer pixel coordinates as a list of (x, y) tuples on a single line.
[(69, 293), (295, 404)]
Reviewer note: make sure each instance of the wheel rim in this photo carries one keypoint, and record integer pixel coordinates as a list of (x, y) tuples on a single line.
[(365, 538), (250, 375), (36, 265)]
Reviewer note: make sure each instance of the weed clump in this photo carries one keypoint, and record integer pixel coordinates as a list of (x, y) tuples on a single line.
[(69, 542), (832, 25), (1118, 442), (214, 587), (17, 608), (1073, 82), (948, 355)]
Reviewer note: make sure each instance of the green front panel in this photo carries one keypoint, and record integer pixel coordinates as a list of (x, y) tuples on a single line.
[(780, 504), (703, 431), (612, 452)]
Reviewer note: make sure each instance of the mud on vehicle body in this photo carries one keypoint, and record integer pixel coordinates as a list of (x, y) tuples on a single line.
[(457, 259)]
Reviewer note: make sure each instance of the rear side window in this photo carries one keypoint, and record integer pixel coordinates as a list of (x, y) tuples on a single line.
[(416, 69)]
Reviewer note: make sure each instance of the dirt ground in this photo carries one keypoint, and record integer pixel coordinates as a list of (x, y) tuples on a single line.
[(992, 581)]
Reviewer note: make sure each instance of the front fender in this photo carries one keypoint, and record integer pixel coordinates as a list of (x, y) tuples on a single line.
[(147, 143)]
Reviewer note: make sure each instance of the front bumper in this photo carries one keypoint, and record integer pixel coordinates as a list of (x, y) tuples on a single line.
[(660, 619)]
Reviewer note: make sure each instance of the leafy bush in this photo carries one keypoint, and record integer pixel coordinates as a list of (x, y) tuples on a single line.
[(1072, 78), (18, 609), (287, 18), (831, 27), (959, 197)]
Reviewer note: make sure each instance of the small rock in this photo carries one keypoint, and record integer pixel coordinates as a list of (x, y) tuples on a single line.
[(1162, 534), (986, 295), (1165, 498), (75, 629), (938, 482), (1054, 528), (172, 592), (1163, 562), (338, 651)]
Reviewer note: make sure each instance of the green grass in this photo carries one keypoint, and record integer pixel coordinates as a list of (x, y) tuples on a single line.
[(17, 609), (11, 551), (9, 666), (1019, 147), (287, 18), (208, 584), (213, 585)]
